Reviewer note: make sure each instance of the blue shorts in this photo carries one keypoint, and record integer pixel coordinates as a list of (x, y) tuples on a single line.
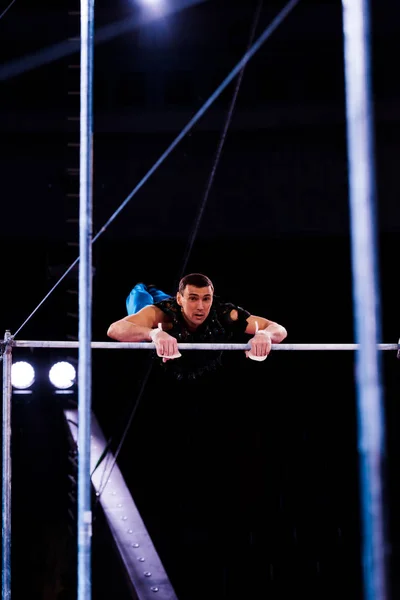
[(142, 295)]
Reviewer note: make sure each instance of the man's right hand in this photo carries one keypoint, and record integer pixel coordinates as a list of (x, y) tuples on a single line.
[(166, 345)]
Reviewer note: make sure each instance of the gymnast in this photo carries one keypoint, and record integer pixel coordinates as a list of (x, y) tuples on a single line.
[(194, 315)]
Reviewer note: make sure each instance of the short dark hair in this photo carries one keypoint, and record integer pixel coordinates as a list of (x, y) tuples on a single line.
[(196, 279)]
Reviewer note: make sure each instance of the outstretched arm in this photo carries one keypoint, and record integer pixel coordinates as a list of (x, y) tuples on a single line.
[(265, 333), (143, 327), (137, 327), (257, 324)]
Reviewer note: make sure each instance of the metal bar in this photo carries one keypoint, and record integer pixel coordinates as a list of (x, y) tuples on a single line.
[(371, 422), (85, 300), (6, 473), (142, 563), (200, 346)]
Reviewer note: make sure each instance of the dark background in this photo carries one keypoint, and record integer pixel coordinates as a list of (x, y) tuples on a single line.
[(248, 481)]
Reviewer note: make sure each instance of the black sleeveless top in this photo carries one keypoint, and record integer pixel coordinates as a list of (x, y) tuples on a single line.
[(217, 328)]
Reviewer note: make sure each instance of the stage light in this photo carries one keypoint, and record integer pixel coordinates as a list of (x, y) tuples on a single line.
[(152, 3), (62, 375), (22, 375), (157, 6)]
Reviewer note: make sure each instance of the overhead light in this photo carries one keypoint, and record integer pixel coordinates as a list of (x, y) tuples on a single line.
[(22, 375), (152, 3), (157, 6), (62, 375)]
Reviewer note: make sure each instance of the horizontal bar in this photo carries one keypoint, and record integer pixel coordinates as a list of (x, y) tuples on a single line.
[(150, 346)]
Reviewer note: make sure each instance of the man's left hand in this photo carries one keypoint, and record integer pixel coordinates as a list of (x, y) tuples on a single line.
[(261, 345)]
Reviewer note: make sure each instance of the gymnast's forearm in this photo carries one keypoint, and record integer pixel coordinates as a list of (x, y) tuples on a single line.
[(126, 331), (276, 331)]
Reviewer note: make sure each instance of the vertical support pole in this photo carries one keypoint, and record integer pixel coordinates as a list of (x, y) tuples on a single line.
[(6, 473), (371, 423), (85, 301)]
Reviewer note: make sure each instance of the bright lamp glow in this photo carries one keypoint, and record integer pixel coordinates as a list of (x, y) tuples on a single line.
[(62, 375), (157, 6), (22, 375), (153, 3)]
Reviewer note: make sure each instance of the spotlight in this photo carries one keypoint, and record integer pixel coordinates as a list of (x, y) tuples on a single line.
[(22, 375), (152, 3), (156, 6), (62, 375)]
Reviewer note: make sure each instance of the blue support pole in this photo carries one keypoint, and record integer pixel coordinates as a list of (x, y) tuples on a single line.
[(366, 300), (85, 301), (6, 472)]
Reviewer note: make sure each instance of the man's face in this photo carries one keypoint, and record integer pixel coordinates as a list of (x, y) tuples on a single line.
[(196, 304)]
